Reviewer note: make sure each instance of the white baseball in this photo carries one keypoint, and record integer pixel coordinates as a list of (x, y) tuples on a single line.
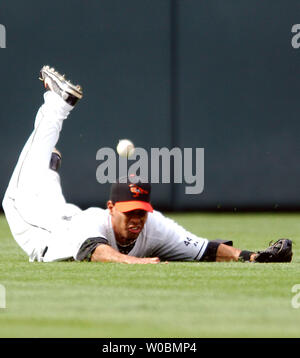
[(125, 148)]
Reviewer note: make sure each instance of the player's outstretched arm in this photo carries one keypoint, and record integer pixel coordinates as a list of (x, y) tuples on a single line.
[(106, 253)]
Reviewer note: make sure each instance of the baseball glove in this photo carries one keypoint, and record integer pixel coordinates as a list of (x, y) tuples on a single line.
[(280, 251)]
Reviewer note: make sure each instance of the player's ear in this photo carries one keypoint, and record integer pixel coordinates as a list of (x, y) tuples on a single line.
[(110, 205)]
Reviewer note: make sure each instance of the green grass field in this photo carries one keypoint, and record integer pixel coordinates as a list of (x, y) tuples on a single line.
[(76, 299)]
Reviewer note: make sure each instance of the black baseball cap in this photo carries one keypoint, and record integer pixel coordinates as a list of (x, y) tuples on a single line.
[(131, 193)]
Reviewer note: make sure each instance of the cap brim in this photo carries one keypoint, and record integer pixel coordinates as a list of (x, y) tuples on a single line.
[(125, 206)]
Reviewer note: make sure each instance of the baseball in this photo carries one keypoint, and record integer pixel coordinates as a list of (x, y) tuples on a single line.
[(125, 148)]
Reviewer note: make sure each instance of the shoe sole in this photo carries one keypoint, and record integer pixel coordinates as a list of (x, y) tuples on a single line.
[(60, 81)]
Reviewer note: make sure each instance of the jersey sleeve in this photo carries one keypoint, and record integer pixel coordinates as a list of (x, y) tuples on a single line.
[(89, 230), (172, 242), (86, 250)]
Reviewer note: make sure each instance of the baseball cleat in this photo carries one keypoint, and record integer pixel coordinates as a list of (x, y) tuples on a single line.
[(55, 161), (280, 251), (57, 83)]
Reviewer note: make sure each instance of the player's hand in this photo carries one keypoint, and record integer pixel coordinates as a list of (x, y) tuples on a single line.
[(142, 260)]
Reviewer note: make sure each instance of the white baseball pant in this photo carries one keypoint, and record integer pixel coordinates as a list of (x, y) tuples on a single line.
[(33, 202)]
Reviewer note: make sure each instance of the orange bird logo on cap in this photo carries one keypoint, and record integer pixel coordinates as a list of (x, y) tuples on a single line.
[(137, 191)]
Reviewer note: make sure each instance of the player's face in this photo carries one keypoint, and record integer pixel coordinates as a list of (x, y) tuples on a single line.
[(127, 226)]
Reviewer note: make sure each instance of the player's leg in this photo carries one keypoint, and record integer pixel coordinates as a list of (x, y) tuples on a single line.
[(34, 194), (52, 191), (24, 209), (35, 176), (35, 182)]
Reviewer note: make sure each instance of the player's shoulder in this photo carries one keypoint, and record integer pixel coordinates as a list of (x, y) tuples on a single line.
[(155, 215), (96, 219), (156, 220), (98, 215), (95, 211), (159, 228)]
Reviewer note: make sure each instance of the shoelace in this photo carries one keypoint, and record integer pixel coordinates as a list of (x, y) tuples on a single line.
[(271, 244)]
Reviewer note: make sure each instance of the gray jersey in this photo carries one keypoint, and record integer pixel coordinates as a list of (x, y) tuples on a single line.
[(161, 237)]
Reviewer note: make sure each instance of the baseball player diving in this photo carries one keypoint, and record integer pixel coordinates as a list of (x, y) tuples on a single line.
[(128, 231)]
